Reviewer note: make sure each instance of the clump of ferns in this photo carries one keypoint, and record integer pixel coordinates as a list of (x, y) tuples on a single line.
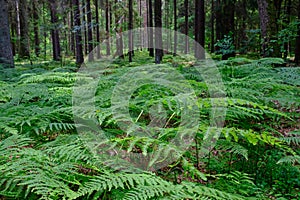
[(65, 169)]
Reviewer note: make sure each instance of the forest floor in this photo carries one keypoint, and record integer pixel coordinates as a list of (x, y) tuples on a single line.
[(179, 130)]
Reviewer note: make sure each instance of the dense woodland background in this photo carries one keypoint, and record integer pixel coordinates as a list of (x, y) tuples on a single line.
[(256, 48), (74, 28)]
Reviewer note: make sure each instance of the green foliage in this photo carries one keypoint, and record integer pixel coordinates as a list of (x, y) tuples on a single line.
[(256, 155), (226, 45)]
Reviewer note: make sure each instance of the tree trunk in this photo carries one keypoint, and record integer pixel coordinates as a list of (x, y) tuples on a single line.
[(70, 25), (84, 27), (13, 26), (264, 21), (140, 25), (36, 28), (297, 50), (288, 4), (158, 32), (24, 51), (199, 29), (130, 27), (218, 9), (119, 38), (6, 55), (212, 21), (151, 42), (55, 31), (274, 13), (78, 36), (90, 29), (175, 28), (107, 22), (186, 26), (97, 30)]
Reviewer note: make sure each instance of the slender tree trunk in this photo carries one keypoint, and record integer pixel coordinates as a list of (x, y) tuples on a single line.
[(97, 30), (72, 34), (264, 21), (140, 24), (89, 29), (151, 41), (55, 31), (158, 32), (6, 54), (186, 23), (212, 21), (297, 50), (78, 36), (288, 4), (44, 33), (199, 29), (119, 38), (13, 26), (145, 22), (84, 27), (130, 27), (219, 26), (24, 51), (107, 27), (274, 13), (167, 24), (36, 28), (175, 28)]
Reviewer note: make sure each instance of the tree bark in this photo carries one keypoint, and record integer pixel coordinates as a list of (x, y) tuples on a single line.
[(36, 28), (78, 36), (186, 25), (130, 27), (288, 4), (24, 51), (158, 32), (218, 9), (175, 28), (6, 54), (212, 21), (107, 26), (97, 30), (70, 25), (264, 21), (119, 38), (151, 42), (199, 29), (90, 29), (84, 27), (55, 31), (297, 50)]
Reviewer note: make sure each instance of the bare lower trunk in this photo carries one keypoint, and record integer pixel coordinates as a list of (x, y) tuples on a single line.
[(297, 50), (119, 38), (24, 51), (151, 43), (55, 31), (36, 28), (130, 27), (90, 29), (186, 29), (264, 21), (107, 27), (97, 29), (6, 55), (158, 32), (199, 29), (78, 36)]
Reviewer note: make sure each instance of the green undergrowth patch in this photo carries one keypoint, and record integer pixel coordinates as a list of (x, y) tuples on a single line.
[(255, 155)]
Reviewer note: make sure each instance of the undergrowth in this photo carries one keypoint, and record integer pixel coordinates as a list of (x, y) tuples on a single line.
[(44, 157)]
